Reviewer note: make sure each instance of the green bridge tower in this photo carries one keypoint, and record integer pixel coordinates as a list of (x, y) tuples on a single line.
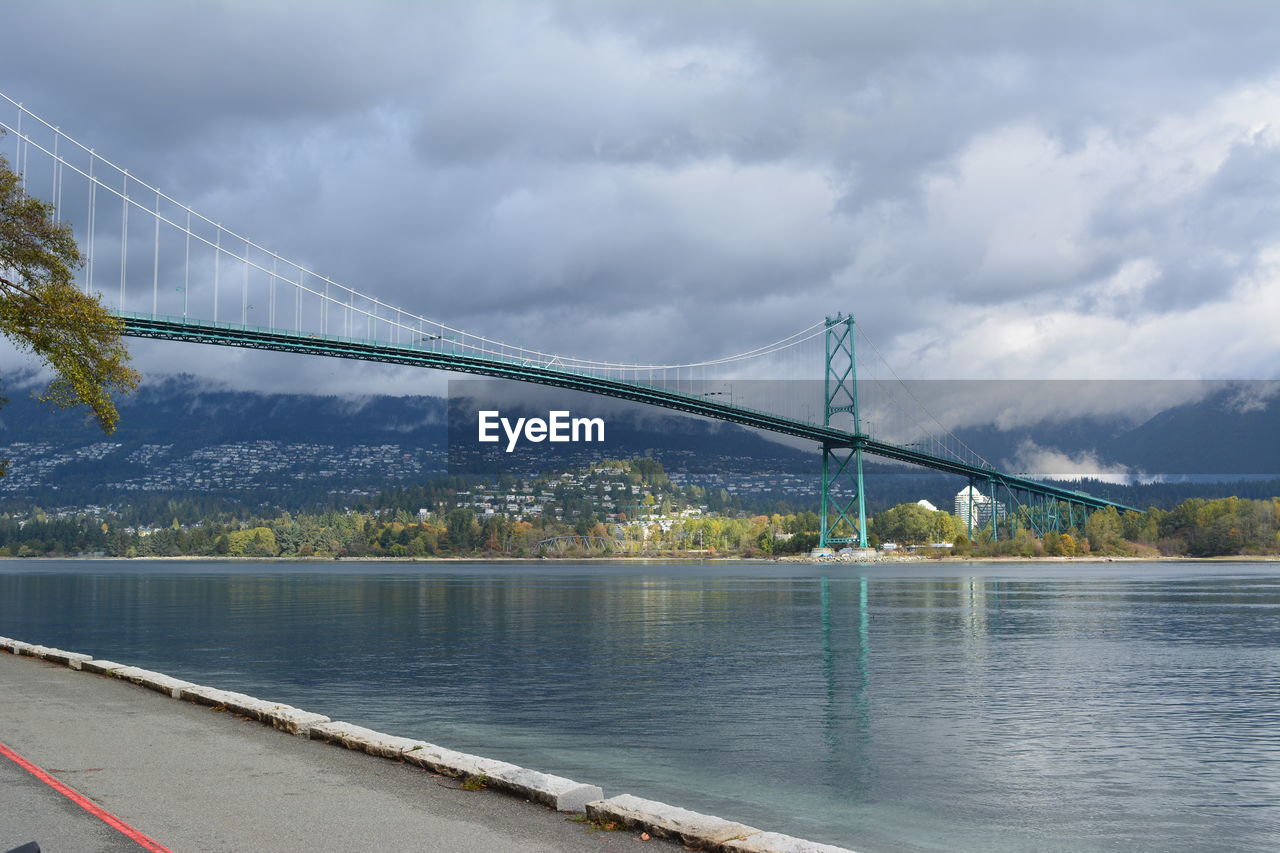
[(842, 461)]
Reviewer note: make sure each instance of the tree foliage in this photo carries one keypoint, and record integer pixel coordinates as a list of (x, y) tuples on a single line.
[(1104, 528), (1223, 527), (912, 524), (43, 312)]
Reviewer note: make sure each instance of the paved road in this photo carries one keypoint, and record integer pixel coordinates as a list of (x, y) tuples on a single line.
[(201, 781)]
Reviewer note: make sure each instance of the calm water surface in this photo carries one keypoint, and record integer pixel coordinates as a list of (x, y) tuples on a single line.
[(1081, 707)]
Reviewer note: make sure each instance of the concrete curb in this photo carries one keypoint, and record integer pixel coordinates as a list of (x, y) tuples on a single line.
[(156, 681), (12, 646), (69, 659), (772, 842), (701, 831), (17, 647), (286, 718), (561, 794), (660, 819), (365, 740), (100, 667)]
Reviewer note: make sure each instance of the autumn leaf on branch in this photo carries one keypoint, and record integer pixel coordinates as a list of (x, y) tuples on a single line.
[(44, 313)]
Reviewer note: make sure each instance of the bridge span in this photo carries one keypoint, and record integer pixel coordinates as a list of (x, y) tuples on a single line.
[(170, 273), (1035, 497)]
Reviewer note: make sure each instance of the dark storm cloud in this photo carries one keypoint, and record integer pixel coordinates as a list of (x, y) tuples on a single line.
[(625, 179)]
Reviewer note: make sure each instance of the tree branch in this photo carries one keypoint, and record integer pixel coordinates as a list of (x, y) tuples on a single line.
[(24, 291)]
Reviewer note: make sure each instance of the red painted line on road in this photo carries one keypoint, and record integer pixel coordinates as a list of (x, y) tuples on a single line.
[(144, 841)]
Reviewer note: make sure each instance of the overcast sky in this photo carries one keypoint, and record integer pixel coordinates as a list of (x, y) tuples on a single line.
[(996, 189)]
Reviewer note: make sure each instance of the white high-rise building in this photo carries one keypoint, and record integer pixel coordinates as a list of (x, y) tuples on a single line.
[(974, 509)]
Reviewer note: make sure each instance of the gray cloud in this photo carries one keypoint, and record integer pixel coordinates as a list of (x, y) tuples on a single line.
[(1038, 189)]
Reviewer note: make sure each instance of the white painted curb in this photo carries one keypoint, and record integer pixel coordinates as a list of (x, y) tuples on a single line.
[(74, 660), (100, 667), (699, 830), (17, 647), (687, 827), (286, 718), (156, 681), (359, 738), (561, 794), (772, 842)]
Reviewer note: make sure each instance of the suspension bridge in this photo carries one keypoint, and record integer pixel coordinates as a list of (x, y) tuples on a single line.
[(170, 273)]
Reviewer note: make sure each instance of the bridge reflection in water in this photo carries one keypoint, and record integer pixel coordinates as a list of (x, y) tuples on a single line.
[(899, 707)]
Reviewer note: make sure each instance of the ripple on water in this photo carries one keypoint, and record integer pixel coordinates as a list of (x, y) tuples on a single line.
[(1125, 707)]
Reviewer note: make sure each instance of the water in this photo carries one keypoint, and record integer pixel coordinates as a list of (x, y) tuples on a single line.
[(969, 707)]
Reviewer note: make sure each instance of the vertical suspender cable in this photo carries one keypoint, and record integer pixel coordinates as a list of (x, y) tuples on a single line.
[(271, 299), (124, 236), (155, 262), (186, 272), (217, 272), (244, 288), (93, 209), (56, 195), (18, 149)]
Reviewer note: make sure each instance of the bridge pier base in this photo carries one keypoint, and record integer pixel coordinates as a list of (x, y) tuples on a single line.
[(841, 490)]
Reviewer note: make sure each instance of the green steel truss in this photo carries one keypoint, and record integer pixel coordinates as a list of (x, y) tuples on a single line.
[(1052, 507), (842, 460), (1014, 506)]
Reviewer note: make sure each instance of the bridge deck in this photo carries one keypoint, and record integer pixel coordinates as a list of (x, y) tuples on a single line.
[(225, 334)]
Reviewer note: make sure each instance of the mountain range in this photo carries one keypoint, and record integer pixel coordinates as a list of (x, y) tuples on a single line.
[(177, 434)]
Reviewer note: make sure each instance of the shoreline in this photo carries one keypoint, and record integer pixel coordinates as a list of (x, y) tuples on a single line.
[(671, 823), (1235, 558)]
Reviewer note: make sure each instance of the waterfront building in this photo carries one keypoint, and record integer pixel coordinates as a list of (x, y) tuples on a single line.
[(974, 509)]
